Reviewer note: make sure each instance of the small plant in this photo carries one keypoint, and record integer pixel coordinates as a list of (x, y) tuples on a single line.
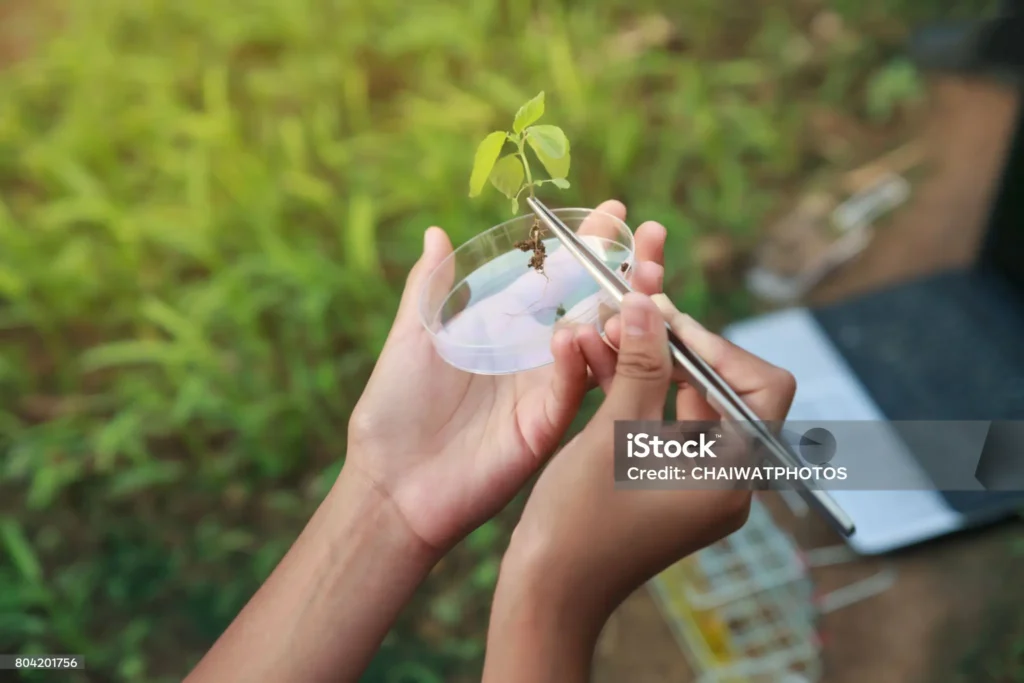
[(896, 84), (511, 174)]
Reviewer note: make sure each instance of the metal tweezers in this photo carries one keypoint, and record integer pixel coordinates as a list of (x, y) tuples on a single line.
[(701, 375)]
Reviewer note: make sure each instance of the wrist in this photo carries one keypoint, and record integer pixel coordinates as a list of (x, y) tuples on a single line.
[(572, 571), (542, 627), (545, 582), (326, 607), (367, 511)]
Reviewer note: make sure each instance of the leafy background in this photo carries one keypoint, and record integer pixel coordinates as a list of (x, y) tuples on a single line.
[(207, 209)]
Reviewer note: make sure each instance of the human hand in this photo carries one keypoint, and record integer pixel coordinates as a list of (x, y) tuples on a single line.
[(582, 546), (432, 453), (449, 449)]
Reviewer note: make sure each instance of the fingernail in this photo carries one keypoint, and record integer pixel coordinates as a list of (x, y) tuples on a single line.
[(637, 318)]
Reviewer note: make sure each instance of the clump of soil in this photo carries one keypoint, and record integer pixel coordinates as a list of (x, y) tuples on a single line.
[(535, 244)]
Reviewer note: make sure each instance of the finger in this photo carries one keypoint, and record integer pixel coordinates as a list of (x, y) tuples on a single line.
[(644, 367), (649, 239), (605, 221), (647, 277), (767, 389), (568, 382), (599, 357), (691, 406), (612, 335), (423, 281), (613, 207)]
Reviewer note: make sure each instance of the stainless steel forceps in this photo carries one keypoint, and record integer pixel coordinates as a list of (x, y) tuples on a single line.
[(701, 375)]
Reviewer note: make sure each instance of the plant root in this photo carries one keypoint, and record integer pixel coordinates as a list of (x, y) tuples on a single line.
[(535, 244)]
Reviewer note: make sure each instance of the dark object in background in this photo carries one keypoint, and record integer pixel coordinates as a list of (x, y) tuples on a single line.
[(941, 347), (993, 47)]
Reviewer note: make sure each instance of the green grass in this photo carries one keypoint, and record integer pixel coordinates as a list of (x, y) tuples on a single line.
[(206, 212)]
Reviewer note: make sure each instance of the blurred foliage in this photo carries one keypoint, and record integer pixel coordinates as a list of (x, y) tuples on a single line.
[(995, 651), (891, 87), (206, 212)]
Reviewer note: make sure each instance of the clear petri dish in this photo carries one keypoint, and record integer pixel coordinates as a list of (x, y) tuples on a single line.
[(489, 312)]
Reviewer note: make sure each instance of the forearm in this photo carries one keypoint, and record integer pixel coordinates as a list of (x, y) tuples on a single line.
[(327, 606), (540, 629)]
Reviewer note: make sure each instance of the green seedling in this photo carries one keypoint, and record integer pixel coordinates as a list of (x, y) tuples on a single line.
[(511, 174)]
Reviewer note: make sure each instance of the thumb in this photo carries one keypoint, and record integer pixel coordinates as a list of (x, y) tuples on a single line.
[(426, 281), (644, 369)]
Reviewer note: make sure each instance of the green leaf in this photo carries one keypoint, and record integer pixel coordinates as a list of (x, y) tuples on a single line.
[(361, 234), (486, 154), (20, 550), (485, 537), (412, 672), (560, 183), (485, 576), (447, 608), (507, 175), (550, 140), (894, 85), (515, 206), (556, 168), (552, 149), (145, 476), (115, 354), (529, 113)]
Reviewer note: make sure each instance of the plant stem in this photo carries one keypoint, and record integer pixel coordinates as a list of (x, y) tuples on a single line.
[(535, 241), (526, 166)]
